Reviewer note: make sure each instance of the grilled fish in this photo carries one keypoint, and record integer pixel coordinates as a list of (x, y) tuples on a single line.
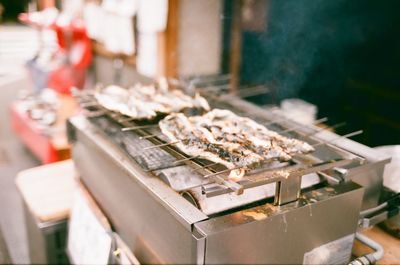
[(236, 142), (146, 101)]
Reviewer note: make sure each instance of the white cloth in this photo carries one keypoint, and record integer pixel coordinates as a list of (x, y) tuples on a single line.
[(94, 18), (152, 16), (118, 30), (147, 54)]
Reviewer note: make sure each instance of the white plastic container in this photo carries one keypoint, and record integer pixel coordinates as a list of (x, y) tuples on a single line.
[(299, 110)]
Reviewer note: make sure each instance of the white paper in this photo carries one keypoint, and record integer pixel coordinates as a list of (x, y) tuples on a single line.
[(147, 54), (152, 16), (88, 241)]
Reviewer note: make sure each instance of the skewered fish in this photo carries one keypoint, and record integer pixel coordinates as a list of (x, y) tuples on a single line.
[(145, 102), (223, 137)]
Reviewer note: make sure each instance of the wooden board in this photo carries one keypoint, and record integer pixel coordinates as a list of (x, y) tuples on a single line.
[(48, 190), (390, 244)]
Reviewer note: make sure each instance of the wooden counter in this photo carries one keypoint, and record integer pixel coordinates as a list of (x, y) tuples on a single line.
[(390, 244)]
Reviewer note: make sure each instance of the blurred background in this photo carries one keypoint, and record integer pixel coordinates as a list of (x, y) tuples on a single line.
[(342, 56), (337, 59)]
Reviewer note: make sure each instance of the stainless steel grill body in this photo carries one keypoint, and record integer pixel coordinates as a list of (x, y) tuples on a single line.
[(160, 226)]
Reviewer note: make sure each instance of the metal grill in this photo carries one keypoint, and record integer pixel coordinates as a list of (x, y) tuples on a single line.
[(137, 137)]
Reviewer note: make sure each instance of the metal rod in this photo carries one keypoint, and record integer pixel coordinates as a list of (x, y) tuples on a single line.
[(126, 119), (340, 137), (138, 127), (209, 79), (150, 136), (161, 145), (253, 91), (213, 87), (301, 125), (326, 128), (185, 159), (206, 166), (222, 171)]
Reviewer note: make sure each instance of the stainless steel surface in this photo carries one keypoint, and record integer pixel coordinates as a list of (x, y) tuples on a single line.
[(46, 240), (282, 235), (161, 204)]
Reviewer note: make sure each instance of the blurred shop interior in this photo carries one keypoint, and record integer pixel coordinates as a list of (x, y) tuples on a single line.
[(322, 74)]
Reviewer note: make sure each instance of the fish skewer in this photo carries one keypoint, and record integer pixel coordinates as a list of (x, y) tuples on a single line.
[(147, 101), (223, 137)]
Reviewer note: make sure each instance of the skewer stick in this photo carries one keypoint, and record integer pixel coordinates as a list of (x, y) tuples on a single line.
[(185, 159), (301, 125), (326, 128), (338, 138), (161, 145), (222, 171), (139, 127)]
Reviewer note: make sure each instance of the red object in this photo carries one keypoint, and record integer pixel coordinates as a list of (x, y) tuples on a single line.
[(33, 137), (74, 42)]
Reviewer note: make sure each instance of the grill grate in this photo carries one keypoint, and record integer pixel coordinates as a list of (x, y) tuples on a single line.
[(150, 160), (136, 136)]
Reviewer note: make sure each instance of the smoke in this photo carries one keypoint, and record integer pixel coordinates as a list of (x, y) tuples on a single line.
[(301, 35)]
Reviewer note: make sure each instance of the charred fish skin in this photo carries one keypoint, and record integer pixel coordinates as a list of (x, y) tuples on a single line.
[(223, 137)]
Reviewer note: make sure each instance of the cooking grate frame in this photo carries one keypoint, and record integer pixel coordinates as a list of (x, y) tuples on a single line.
[(144, 134)]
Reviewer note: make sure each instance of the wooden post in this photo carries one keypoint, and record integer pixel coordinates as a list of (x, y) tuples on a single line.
[(171, 41), (235, 46)]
